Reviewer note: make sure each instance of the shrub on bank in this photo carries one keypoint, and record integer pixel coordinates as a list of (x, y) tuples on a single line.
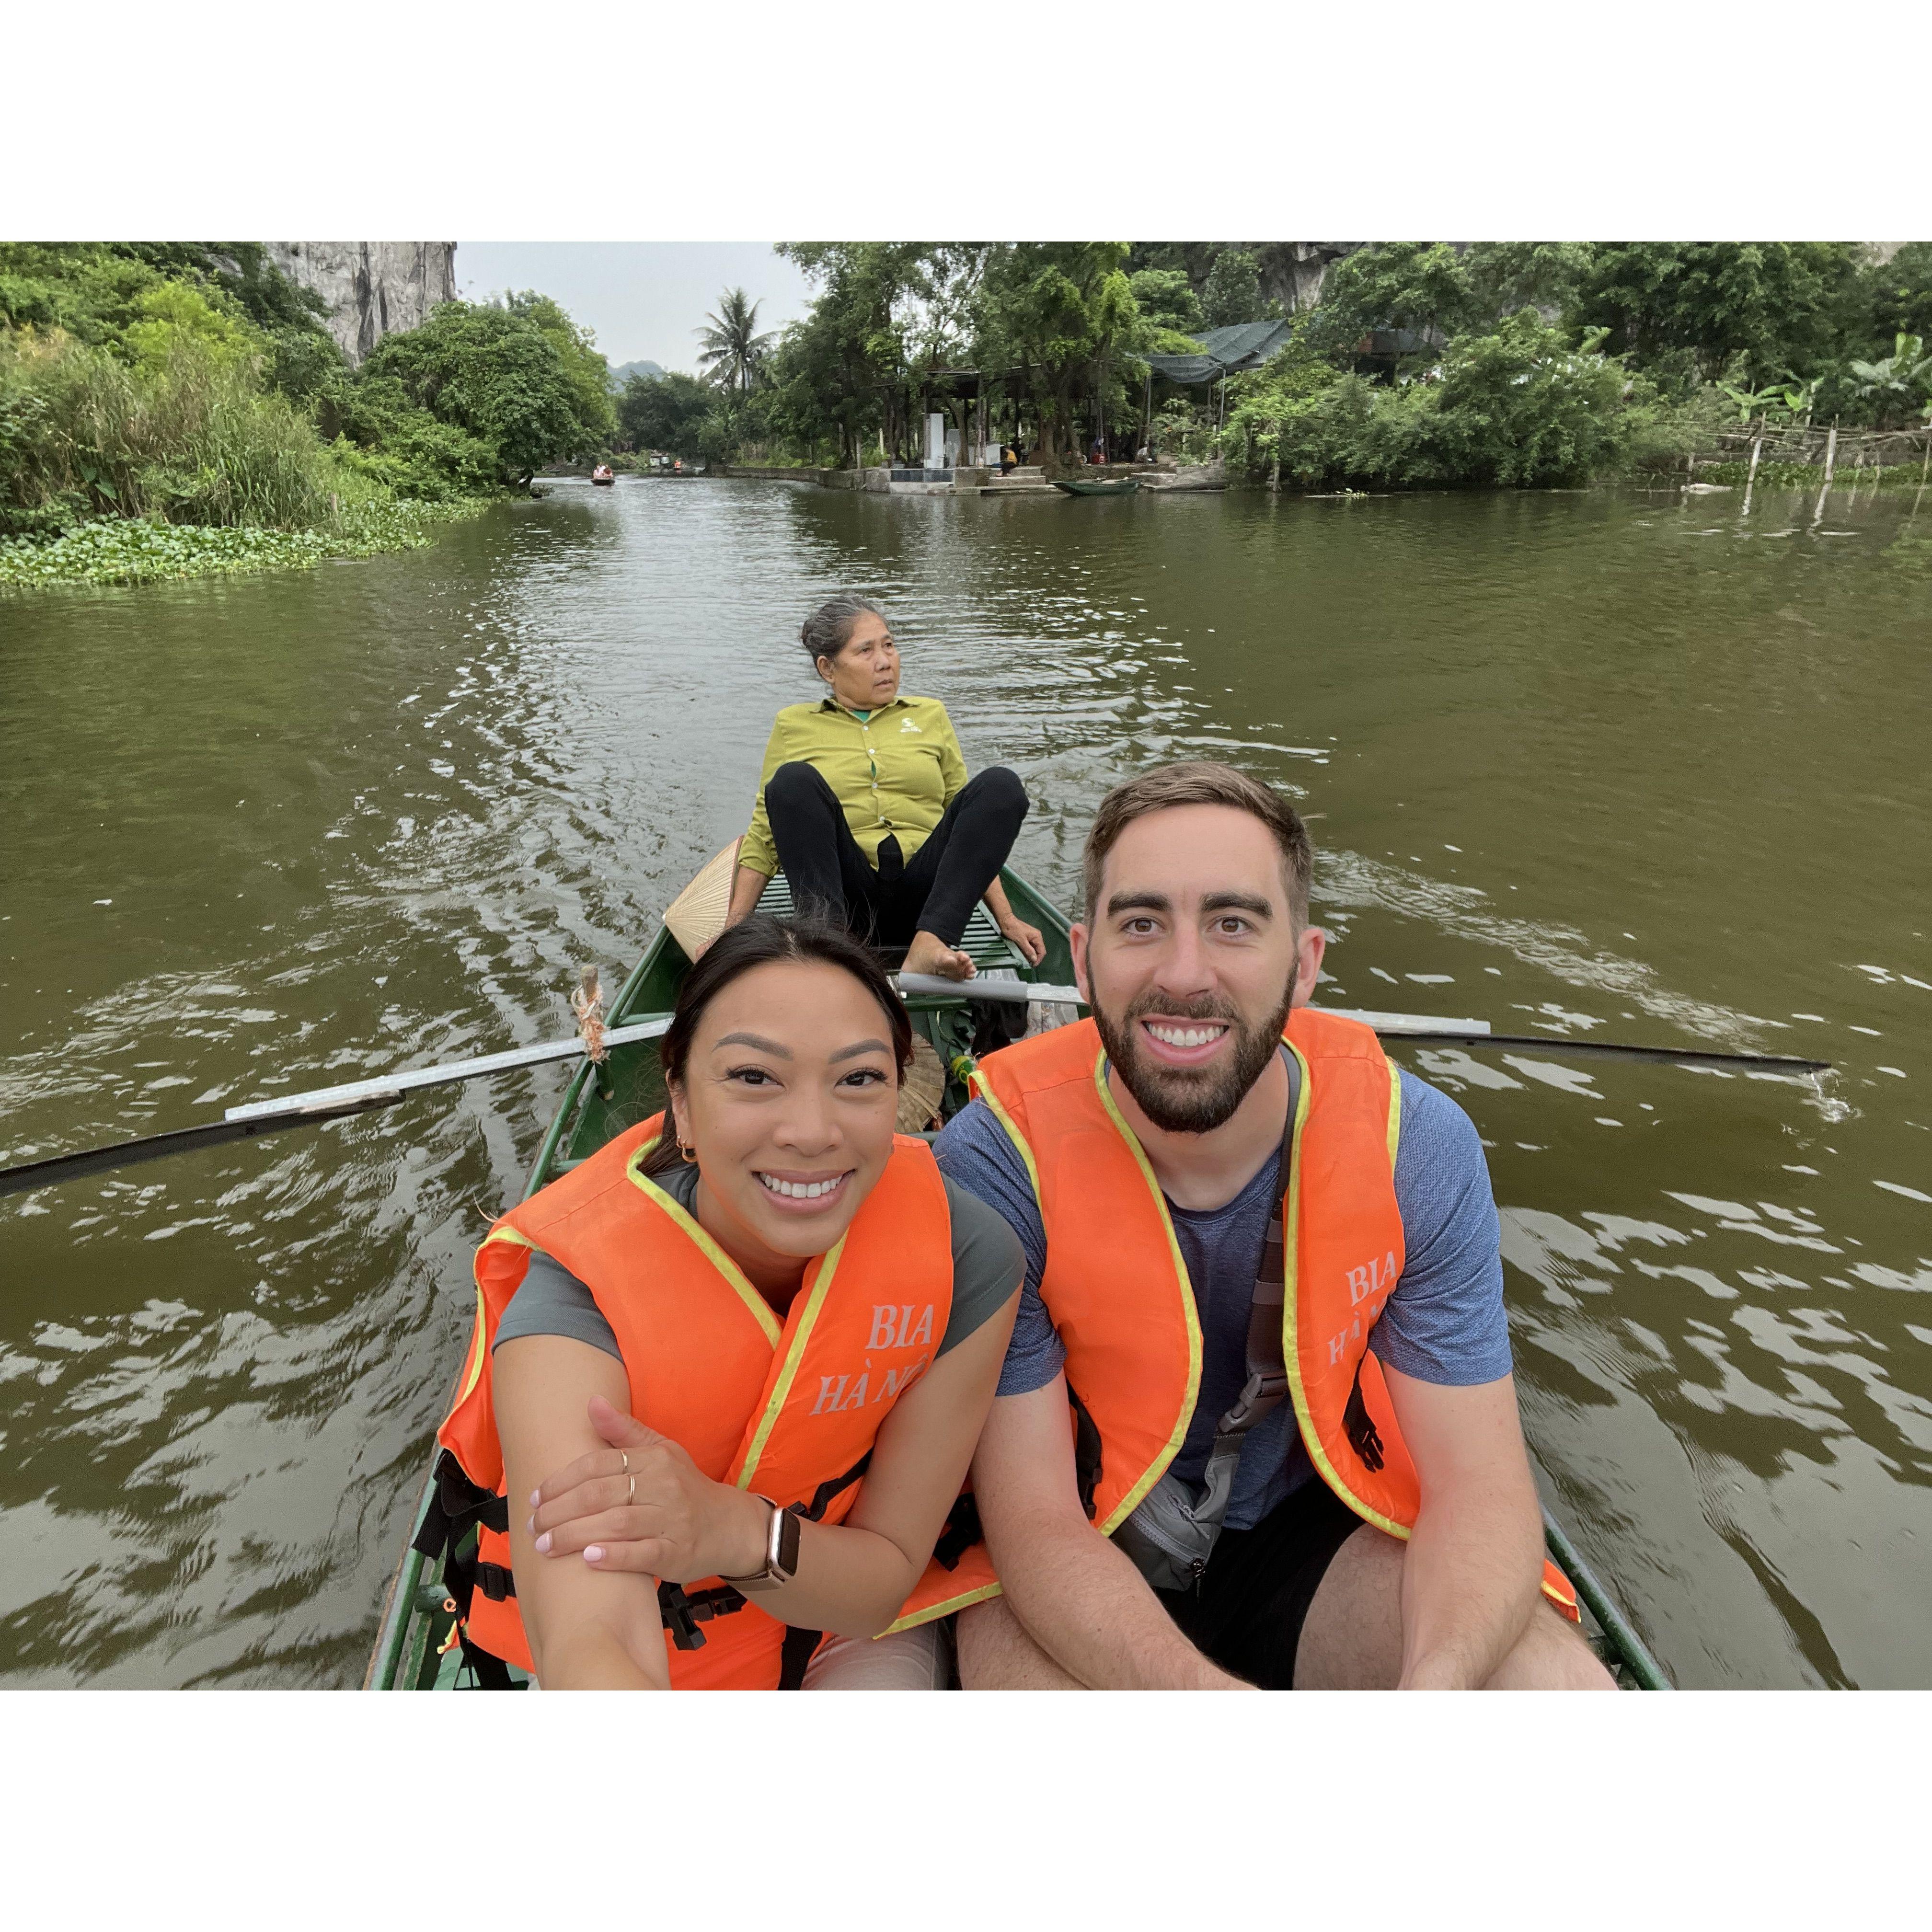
[(191, 386), (184, 433), (1519, 405)]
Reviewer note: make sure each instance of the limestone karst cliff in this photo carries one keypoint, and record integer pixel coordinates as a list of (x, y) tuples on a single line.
[(372, 288)]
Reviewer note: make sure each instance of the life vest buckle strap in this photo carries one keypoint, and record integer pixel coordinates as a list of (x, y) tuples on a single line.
[(496, 1582), (1261, 1396), (456, 1502), (684, 1610)]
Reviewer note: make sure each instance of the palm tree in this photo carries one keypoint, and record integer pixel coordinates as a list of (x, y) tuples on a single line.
[(732, 349)]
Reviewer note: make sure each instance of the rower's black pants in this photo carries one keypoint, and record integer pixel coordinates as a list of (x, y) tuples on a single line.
[(961, 857)]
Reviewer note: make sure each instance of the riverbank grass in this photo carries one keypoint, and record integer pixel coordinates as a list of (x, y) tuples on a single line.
[(135, 550)]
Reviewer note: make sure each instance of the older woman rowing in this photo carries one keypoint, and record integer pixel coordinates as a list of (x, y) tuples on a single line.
[(865, 803)]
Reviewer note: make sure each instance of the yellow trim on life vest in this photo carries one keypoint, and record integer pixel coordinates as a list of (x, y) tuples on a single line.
[(1395, 1108), (1318, 1453), (759, 1308), (983, 1089), (1157, 1468), (821, 1286), (945, 1610)]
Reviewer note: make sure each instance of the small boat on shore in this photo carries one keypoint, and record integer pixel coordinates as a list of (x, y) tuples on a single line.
[(419, 1644), (1101, 486)]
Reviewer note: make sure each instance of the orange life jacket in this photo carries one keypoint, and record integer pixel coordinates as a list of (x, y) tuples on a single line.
[(1118, 1291), (789, 1409)]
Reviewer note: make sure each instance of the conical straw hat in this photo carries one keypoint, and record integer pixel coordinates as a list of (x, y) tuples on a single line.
[(697, 916), (925, 1088)]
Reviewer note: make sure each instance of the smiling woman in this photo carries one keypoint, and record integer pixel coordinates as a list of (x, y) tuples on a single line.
[(742, 1351)]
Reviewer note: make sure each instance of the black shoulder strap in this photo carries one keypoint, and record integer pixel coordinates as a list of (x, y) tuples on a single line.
[(1266, 1387)]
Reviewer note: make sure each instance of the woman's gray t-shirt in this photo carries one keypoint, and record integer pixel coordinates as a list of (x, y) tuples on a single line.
[(989, 1265)]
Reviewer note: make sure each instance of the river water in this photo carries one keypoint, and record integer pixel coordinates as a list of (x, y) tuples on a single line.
[(1638, 767)]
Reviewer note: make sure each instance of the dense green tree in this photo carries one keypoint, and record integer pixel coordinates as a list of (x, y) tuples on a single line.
[(1233, 292), (501, 378), (1758, 308), (845, 373), (1063, 313), (1166, 299), (589, 374), (1899, 294), (1506, 276), (1420, 287), (730, 349), (665, 412)]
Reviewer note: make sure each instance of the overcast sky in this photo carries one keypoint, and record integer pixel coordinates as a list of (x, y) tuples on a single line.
[(643, 299)]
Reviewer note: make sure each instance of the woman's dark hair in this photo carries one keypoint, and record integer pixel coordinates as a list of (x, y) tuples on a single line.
[(829, 629), (761, 940)]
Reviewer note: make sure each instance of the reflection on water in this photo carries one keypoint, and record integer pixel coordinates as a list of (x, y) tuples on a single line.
[(1633, 767)]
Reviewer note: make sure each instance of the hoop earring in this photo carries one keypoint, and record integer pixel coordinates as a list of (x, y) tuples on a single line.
[(687, 1154)]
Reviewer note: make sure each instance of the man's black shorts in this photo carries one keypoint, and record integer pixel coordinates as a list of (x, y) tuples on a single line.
[(1254, 1595)]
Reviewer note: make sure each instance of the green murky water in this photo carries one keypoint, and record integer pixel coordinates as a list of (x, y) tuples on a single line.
[(1642, 767)]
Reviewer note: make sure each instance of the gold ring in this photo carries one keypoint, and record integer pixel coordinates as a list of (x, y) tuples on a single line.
[(633, 1496), (623, 1456)]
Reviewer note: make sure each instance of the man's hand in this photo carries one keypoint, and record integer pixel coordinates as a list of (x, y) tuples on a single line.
[(642, 1505)]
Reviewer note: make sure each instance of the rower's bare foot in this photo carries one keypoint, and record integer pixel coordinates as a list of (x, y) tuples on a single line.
[(928, 953)]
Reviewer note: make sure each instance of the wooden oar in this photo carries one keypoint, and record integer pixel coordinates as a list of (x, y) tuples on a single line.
[(303, 1110), (1420, 1028)]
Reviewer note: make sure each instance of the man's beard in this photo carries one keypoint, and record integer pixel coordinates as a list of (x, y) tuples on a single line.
[(1190, 1099)]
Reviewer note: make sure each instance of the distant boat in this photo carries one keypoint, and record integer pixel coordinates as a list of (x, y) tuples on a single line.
[(602, 474), (1101, 486)]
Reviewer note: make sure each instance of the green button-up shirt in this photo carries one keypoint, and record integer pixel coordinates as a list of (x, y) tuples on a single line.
[(895, 773)]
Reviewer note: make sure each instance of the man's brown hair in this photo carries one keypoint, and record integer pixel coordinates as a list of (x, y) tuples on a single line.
[(1200, 781)]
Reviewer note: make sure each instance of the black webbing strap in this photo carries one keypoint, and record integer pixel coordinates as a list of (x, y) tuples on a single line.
[(455, 1503), (798, 1646), (1086, 1451), (961, 1531), (1266, 1387), (821, 1497)]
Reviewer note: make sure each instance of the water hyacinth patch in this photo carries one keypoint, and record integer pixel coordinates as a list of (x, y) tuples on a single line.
[(134, 551)]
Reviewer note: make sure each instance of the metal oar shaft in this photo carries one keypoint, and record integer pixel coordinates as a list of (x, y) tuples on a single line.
[(1609, 1049), (301, 1110), (34, 1174), (1423, 1028), (392, 1086), (1021, 992)]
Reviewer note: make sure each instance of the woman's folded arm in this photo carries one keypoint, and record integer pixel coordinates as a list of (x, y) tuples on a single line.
[(587, 1629)]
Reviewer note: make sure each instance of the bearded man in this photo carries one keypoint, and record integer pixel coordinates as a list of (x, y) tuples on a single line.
[(1256, 1426)]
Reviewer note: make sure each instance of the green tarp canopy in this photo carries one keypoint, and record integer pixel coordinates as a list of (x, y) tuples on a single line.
[(1240, 346)]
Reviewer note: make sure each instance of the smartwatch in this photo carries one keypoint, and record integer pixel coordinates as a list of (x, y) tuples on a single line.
[(780, 1564)]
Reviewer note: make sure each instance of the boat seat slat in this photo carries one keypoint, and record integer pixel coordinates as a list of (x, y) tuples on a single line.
[(982, 942)]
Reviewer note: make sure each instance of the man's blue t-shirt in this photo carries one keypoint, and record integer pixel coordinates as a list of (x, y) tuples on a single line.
[(1443, 1323)]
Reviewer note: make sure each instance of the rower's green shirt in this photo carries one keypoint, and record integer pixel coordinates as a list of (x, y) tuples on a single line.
[(895, 772)]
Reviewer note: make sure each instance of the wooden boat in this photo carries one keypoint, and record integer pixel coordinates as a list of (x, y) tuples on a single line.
[(601, 475), (1101, 486), (416, 1646)]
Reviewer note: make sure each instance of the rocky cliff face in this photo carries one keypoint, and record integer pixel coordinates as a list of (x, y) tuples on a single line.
[(372, 288), (1292, 272)]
